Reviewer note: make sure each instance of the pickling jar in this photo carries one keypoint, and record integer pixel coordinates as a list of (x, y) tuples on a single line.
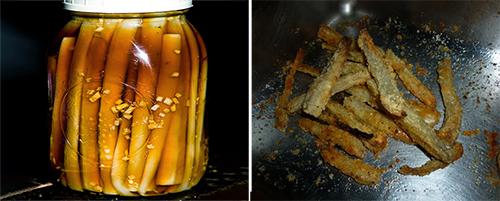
[(127, 82)]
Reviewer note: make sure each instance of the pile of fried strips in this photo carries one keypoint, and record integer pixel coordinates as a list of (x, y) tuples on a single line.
[(364, 75)]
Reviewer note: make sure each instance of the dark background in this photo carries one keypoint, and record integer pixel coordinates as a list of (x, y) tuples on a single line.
[(27, 28)]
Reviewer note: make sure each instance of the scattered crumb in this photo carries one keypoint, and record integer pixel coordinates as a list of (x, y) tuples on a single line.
[(426, 28), (262, 168), (290, 177), (318, 181), (296, 152), (272, 156), (472, 132), (492, 143), (421, 71)]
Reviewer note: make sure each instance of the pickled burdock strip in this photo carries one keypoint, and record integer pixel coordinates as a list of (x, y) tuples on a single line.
[(60, 85), (281, 113), (76, 79), (166, 87), (202, 160), (409, 80), (149, 65), (193, 93), (171, 168), (51, 69), (96, 58), (321, 89), (114, 74), (453, 109), (383, 74), (121, 154), (376, 119), (201, 156), (70, 29), (359, 170), (334, 136)]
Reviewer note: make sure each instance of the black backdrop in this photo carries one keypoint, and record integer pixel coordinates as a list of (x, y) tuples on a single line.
[(27, 27)]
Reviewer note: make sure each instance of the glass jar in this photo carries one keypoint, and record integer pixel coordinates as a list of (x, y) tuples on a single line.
[(127, 92)]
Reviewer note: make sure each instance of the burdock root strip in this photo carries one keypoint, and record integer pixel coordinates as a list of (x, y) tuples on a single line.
[(61, 85), (121, 155), (114, 75), (76, 79), (149, 65), (96, 58), (201, 149), (166, 88)]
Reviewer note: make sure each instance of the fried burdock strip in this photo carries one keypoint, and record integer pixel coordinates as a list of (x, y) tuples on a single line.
[(376, 119), (360, 171), (383, 74), (121, 155), (432, 165), (352, 67), (361, 93), (96, 56), (151, 32), (355, 54), (295, 103), (422, 134), (74, 101), (334, 136), (377, 142), (453, 109), (372, 86), (281, 113), (349, 67), (331, 37), (321, 89), (166, 87), (429, 114), (171, 167), (307, 69), (61, 85), (409, 80), (115, 71), (201, 156), (345, 82)]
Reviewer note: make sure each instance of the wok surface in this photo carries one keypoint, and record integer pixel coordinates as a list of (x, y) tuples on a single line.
[(289, 166)]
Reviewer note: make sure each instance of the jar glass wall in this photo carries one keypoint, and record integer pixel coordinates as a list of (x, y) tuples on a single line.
[(128, 100)]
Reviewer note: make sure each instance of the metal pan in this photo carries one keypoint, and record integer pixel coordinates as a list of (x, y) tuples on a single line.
[(289, 166)]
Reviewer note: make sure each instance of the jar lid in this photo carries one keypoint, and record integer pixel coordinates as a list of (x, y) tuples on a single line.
[(126, 6)]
